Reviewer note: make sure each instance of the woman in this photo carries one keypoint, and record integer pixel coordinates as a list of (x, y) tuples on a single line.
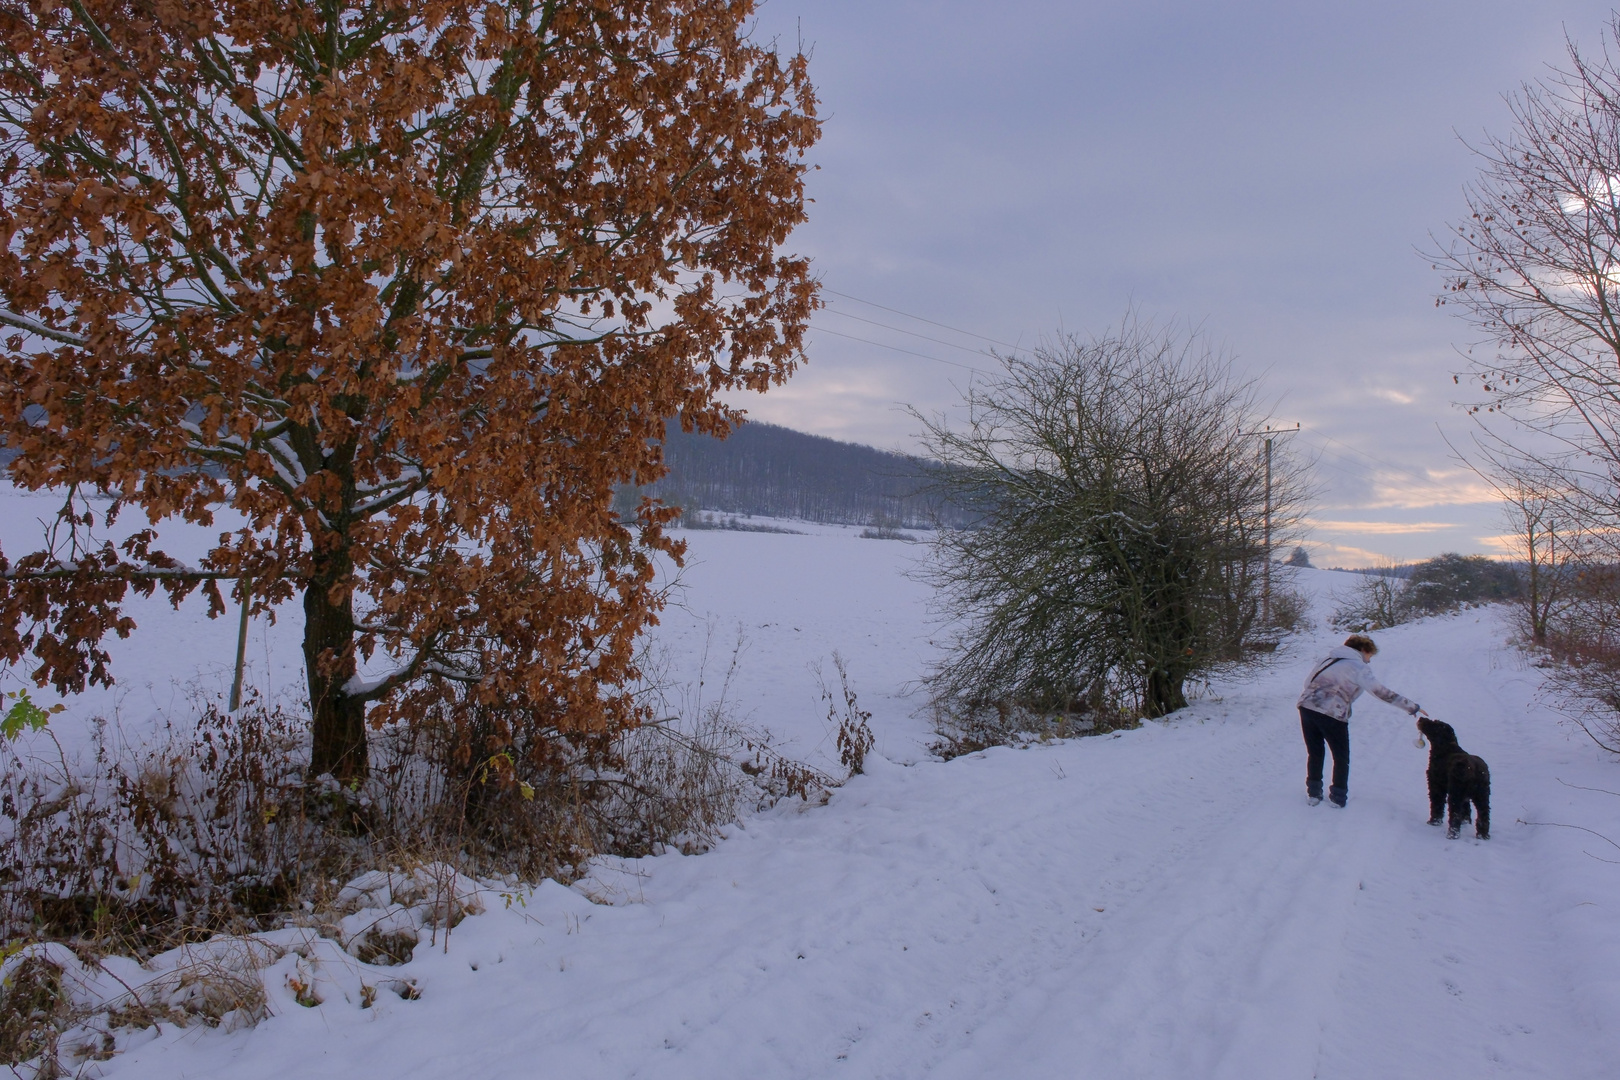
[(1324, 712)]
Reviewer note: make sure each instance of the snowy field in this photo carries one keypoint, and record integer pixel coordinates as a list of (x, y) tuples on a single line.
[(1157, 903)]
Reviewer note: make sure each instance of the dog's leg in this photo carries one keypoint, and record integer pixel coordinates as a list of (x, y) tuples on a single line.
[(1456, 800), (1437, 795), (1482, 802)]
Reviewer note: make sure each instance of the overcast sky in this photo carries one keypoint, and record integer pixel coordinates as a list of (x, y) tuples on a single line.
[(1268, 172)]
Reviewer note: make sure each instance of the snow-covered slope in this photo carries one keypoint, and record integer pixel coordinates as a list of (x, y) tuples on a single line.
[(1161, 903)]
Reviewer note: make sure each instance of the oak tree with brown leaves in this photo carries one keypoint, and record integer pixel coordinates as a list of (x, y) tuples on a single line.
[(409, 286)]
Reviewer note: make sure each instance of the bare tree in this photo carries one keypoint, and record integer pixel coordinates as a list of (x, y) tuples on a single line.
[(1546, 541), (1535, 266), (1118, 544)]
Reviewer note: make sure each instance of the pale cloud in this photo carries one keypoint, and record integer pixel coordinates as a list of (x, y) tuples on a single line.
[(851, 404), (1383, 528), (1507, 545), (1394, 396), (1430, 487), (1348, 556)]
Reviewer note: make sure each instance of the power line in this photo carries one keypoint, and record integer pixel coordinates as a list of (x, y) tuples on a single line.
[(900, 330), (919, 318), (1334, 460), (896, 348), (1407, 469), (1355, 469), (1338, 467)]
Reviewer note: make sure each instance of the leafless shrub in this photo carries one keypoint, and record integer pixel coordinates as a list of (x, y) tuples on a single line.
[(1374, 603), (1290, 608), (693, 768), (963, 727), (143, 849), (844, 713), (885, 527), (1581, 652), (1121, 522), (680, 781), (702, 520), (140, 846)]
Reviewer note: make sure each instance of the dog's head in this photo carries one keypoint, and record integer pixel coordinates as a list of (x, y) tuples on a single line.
[(1440, 734)]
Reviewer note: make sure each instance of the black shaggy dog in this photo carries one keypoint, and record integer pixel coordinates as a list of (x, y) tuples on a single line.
[(1457, 777)]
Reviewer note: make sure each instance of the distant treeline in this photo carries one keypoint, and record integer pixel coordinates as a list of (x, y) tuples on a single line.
[(768, 471), (1450, 579)]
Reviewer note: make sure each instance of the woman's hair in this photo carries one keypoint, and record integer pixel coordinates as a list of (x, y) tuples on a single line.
[(1361, 643)]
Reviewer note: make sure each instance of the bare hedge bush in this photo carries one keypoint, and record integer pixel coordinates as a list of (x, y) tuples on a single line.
[(1121, 517), (1392, 595)]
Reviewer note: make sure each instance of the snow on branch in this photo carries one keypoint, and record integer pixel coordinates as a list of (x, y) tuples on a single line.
[(22, 322)]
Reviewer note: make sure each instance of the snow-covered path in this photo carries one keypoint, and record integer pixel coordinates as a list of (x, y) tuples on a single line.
[(1157, 904)]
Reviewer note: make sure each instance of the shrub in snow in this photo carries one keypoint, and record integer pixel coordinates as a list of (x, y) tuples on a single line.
[(60, 1007), (1122, 519), (963, 728), (852, 723), (1374, 603), (219, 828), (135, 846), (1290, 608), (139, 844), (1392, 595), (693, 769)]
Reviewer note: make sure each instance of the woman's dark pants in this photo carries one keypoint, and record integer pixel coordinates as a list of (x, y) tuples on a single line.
[(1324, 731)]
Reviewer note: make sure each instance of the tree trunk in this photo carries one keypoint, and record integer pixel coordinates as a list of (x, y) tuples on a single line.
[(338, 724), (1170, 626), (1165, 693)]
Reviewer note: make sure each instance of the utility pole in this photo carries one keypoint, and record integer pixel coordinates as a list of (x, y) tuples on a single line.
[(1270, 433), (1265, 591)]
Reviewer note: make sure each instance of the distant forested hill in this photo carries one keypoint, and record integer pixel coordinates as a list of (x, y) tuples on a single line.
[(768, 471), (771, 471)]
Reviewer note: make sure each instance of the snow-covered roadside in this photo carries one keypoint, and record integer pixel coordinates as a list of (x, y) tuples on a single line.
[(1157, 904)]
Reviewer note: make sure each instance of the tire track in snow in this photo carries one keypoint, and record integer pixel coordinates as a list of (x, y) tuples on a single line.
[(1457, 964), (1210, 966)]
